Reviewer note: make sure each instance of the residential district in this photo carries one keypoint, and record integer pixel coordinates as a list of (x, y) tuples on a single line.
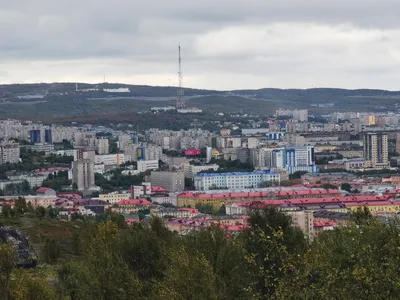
[(317, 170)]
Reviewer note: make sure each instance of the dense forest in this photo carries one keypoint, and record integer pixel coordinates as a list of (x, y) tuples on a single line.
[(269, 260)]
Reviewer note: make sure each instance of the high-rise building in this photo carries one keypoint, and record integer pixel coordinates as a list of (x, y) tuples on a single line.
[(376, 148), (85, 153), (103, 146), (294, 159), (83, 174), (34, 136), (300, 115), (48, 137), (9, 153)]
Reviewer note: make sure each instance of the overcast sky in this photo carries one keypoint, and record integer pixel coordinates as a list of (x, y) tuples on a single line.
[(226, 44)]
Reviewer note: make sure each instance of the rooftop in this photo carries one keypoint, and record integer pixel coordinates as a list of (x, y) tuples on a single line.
[(237, 173)]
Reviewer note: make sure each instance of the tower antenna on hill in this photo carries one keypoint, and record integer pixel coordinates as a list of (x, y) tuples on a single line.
[(180, 100)]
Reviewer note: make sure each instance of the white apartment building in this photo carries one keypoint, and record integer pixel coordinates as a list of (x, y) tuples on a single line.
[(300, 115), (34, 180), (110, 159), (83, 174), (9, 153), (191, 170), (123, 141), (46, 148), (144, 165), (234, 181), (102, 145)]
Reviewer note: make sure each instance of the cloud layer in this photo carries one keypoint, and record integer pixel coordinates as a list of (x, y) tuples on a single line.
[(225, 44)]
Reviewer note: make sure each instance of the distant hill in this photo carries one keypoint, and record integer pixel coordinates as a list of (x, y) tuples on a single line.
[(62, 100)]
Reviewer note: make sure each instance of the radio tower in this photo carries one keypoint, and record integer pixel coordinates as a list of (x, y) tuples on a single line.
[(180, 101)]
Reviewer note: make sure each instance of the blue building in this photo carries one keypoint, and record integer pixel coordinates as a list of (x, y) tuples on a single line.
[(35, 136), (295, 159), (48, 137)]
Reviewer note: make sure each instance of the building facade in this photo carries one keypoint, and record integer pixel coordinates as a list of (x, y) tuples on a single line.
[(236, 180), (144, 165), (376, 149), (171, 181), (83, 174)]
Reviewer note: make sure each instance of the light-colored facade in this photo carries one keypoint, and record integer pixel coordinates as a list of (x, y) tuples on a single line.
[(114, 198), (83, 174), (236, 180), (192, 170), (376, 149), (9, 153), (110, 159), (294, 159), (300, 115), (171, 181), (144, 165), (103, 146)]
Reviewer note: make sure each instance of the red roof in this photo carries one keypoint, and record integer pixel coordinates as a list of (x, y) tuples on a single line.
[(310, 201), (292, 193), (190, 210), (159, 189), (134, 202), (42, 190), (324, 223)]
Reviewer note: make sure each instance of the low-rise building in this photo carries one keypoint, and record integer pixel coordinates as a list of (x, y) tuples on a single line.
[(113, 198), (235, 180), (144, 165), (130, 206)]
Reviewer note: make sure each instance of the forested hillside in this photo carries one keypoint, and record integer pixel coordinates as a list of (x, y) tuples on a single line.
[(269, 260)]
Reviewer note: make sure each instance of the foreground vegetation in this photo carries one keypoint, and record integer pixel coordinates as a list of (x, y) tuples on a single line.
[(269, 260)]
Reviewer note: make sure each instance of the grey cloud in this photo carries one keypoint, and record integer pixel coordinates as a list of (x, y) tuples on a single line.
[(248, 42)]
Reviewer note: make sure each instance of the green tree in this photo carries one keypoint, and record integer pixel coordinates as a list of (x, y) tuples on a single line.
[(187, 278), (20, 205), (7, 211), (329, 186), (346, 187), (25, 286), (272, 246), (353, 262), (51, 250), (40, 211), (7, 260)]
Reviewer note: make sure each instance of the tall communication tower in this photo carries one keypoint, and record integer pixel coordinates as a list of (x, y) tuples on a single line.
[(180, 100)]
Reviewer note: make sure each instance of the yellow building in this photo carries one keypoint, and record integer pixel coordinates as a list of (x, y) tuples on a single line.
[(114, 198)]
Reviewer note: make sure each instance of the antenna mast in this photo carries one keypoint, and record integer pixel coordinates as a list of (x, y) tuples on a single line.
[(180, 101)]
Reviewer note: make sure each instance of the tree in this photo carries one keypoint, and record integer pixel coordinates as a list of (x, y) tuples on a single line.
[(272, 246), (51, 250), (29, 207), (346, 187), (187, 278), (20, 205), (327, 186), (353, 262), (7, 260), (297, 175), (40, 211), (26, 286), (7, 211)]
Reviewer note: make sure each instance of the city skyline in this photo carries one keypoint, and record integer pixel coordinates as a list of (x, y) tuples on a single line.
[(225, 45)]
